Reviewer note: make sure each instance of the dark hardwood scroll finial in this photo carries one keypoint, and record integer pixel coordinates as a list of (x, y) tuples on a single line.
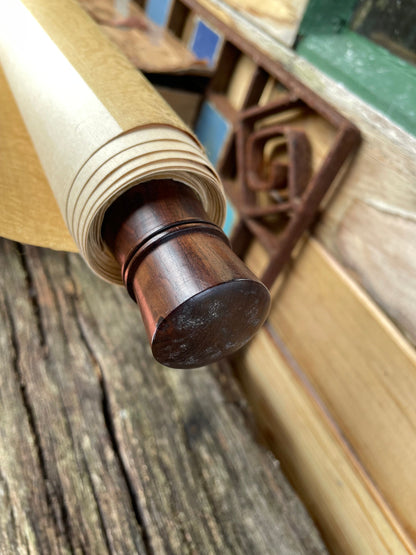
[(198, 300)]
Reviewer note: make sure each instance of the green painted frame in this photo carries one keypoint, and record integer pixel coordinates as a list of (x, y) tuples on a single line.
[(380, 78)]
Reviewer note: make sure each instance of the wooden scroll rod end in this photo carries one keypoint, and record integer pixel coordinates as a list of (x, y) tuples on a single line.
[(198, 300)]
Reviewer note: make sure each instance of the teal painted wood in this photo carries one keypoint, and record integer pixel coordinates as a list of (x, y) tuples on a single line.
[(326, 16), (369, 70), (378, 77)]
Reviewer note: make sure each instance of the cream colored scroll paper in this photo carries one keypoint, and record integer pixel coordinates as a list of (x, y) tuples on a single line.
[(79, 126)]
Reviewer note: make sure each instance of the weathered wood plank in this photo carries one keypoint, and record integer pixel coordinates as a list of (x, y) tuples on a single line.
[(279, 20), (133, 457), (178, 436), (23, 484), (89, 496)]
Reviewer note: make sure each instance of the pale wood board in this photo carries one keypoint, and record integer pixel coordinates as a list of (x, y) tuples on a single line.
[(105, 451), (361, 368), (383, 258), (352, 516), (240, 81)]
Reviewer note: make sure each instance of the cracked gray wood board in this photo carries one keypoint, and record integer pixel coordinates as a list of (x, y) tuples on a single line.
[(88, 497), (116, 453), (22, 479)]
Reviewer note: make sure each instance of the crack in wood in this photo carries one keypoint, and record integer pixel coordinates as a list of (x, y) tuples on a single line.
[(110, 425), (32, 294), (116, 448), (191, 432), (57, 510), (108, 420), (99, 509), (53, 487)]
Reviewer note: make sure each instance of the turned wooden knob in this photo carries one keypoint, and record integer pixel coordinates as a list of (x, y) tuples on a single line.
[(198, 300)]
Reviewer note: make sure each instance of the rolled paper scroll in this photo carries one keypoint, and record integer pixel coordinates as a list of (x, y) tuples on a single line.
[(80, 130), (79, 127)]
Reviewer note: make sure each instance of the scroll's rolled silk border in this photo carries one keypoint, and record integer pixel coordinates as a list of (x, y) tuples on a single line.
[(90, 227), (122, 143), (115, 174), (105, 165), (148, 163)]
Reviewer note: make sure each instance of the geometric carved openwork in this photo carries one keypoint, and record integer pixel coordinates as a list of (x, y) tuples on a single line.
[(275, 190)]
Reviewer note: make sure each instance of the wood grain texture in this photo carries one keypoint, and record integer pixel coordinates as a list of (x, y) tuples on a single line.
[(198, 301), (104, 450), (279, 19), (361, 368), (22, 476), (379, 246), (88, 498), (350, 512), (382, 173)]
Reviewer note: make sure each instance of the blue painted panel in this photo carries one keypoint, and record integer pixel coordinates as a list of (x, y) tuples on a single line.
[(230, 219), (212, 129), (205, 43), (158, 11)]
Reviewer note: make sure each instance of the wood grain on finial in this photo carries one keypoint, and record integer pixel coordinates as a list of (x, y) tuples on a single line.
[(198, 300)]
